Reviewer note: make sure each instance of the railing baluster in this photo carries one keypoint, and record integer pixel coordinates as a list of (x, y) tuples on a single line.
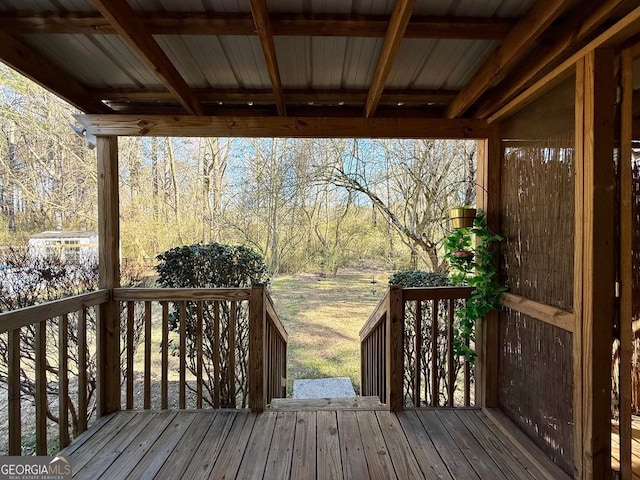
[(199, 319), (467, 379), (130, 373), (147, 355), (216, 354), (418, 357), (232, 355), (41, 388), (450, 363), (15, 417), (183, 356), (284, 368), (83, 354), (164, 360), (435, 384), (63, 381)]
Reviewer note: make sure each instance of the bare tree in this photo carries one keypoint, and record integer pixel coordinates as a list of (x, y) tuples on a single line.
[(412, 184)]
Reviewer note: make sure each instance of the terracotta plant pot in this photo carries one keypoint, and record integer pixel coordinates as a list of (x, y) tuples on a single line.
[(462, 217)]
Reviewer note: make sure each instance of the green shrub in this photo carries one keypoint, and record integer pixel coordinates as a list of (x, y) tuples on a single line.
[(211, 265), (419, 278), (214, 265)]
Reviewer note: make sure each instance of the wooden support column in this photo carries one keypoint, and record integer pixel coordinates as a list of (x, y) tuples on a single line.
[(395, 348), (594, 302), (108, 331), (626, 265), (257, 329), (487, 332)]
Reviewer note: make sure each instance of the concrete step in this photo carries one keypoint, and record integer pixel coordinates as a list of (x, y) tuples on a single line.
[(338, 387)]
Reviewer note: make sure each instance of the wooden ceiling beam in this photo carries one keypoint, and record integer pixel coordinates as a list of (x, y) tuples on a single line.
[(263, 29), (395, 33), (269, 110), (20, 57), (127, 24), (328, 25), (522, 37), (568, 36), (303, 127), (414, 96)]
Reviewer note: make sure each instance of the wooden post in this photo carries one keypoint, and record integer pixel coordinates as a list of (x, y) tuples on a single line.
[(594, 302), (626, 265), (108, 329), (257, 327), (487, 332), (395, 348)]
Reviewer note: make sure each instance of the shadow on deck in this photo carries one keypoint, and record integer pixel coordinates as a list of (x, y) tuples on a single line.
[(318, 440)]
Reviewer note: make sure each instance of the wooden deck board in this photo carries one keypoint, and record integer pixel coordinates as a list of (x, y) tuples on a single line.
[(404, 463), (635, 447), (209, 448), (258, 447), (231, 455), (329, 464), (375, 449), (479, 459), (444, 444), (498, 421), (454, 459), (303, 461), (136, 450), (424, 450), (279, 459), (354, 462), (159, 452), (183, 454)]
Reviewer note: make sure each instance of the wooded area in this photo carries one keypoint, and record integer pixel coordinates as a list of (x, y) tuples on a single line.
[(305, 204)]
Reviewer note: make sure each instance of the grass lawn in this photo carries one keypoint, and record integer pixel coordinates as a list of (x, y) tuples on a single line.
[(323, 317)]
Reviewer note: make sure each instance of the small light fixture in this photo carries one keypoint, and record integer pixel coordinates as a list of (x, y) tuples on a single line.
[(250, 103)]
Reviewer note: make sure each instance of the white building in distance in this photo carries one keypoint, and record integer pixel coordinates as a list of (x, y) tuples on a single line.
[(72, 246)]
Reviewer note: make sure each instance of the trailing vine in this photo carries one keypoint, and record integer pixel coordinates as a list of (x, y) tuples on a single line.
[(473, 264)]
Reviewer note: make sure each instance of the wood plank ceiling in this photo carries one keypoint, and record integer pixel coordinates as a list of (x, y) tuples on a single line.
[(133, 57)]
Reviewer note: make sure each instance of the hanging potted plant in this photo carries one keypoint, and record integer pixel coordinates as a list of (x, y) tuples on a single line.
[(471, 255), (462, 217)]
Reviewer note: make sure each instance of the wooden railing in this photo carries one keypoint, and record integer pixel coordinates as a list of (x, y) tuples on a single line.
[(49, 346), (206, 339), (407, 349), (181, 348)]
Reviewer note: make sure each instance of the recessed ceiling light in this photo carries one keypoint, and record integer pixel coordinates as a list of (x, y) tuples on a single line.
[(250, 103)]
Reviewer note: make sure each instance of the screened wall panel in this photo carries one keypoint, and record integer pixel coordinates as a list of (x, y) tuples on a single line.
[(535, 364), (536, 384), (538, 199)]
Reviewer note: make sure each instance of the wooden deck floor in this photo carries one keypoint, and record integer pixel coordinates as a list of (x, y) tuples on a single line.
[(635, 447), (307, 444)]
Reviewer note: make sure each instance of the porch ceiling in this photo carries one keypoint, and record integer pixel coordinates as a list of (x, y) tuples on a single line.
[(275, 58)]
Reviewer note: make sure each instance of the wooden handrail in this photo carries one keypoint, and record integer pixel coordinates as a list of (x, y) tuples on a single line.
[(383, 346), (275, 318), (37, 313), (375, 318), (177, 294), (435, 293)]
